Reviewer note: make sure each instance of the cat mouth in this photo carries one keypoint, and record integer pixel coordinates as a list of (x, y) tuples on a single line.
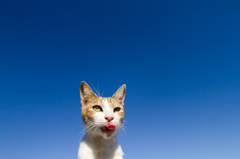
[(108, 129)]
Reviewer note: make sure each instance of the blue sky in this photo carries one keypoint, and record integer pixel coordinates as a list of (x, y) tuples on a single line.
[(179, 60)]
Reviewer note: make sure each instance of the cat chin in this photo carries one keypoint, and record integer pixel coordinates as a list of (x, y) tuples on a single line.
[(107, 133), (107, 136)]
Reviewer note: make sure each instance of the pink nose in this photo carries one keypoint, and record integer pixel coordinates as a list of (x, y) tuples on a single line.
[(109, 118)]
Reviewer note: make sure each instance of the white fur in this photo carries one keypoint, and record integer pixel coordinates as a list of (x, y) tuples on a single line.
[(94, 145)]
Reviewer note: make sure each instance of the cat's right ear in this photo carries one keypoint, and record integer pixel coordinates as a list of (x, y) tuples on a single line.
[(86, 93), (120, 94)]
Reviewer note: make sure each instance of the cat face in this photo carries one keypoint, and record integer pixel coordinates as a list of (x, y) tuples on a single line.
[(102, 115)]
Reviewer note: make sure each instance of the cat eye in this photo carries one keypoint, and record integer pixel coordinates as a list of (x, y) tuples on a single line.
[(97, 108), (117, 109)]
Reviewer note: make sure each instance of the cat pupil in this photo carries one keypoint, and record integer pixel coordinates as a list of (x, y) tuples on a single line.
[(117, 109), (97, 108)]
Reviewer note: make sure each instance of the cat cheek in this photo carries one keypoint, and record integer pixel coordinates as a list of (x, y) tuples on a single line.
[(121, 113), (121, 120), (91, 112)]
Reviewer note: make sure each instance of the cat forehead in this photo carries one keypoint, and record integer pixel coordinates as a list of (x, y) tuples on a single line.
[(106, 101)]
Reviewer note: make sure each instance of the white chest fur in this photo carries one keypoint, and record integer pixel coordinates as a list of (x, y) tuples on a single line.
[(99, 148)]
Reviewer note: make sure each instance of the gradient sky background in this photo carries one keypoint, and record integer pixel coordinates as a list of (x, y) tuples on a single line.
[(180, 61)]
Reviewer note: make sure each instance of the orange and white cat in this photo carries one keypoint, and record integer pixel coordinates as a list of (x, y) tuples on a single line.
[(102, 117)]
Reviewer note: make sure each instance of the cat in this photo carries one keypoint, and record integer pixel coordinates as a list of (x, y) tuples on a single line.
[(102, 117)]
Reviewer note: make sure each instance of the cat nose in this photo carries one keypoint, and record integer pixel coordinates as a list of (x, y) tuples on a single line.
[(109, 118)]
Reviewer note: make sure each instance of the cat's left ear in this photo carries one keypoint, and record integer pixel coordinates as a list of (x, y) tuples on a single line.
[(120, 94), (86, 93)]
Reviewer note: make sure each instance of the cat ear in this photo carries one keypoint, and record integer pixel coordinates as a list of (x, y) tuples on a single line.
[(86, 93), (120, 94)]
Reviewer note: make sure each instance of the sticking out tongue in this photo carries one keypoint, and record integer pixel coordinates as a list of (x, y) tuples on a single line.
[(111, 126)]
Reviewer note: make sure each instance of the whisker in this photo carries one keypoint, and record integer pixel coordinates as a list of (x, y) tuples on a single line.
[(103, 92), (98, 89), (98, 92), (80, 134), (94, 130)]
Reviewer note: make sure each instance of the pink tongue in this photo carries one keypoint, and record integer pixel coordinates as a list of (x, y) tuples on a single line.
[(111, 126)]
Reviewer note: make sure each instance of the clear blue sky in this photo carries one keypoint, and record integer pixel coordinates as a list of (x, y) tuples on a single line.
[(180, 61)]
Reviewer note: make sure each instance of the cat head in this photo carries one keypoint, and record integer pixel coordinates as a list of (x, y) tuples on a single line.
[(102, 115)]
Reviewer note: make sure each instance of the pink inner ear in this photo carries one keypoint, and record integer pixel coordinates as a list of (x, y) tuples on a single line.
[(121, 101), (83, 101)]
